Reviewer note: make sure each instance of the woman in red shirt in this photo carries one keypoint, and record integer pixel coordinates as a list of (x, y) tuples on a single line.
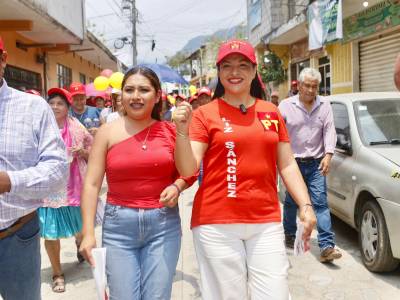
[(141, 226), (236, 217)]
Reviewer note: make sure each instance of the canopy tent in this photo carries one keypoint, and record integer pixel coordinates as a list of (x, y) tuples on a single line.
[(166, 73)]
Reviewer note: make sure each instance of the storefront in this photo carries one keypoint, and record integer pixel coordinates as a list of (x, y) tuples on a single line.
[(376, 33)]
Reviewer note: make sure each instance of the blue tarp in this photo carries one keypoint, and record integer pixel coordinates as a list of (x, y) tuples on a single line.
[(166, 73)]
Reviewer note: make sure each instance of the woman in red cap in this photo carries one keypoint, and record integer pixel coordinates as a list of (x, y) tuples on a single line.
[(61, 215), (236, 218)]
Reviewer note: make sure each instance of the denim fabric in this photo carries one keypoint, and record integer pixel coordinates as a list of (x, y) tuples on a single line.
[(142, 251), (20, 263), (316, 184)]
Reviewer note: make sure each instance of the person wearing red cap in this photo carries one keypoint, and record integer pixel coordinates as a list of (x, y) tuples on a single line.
[(33, 165), (165, 108), (204, 95), (293, 88), (89, 116), (275, 98), (236, 218), (60, 216), (194, 102)]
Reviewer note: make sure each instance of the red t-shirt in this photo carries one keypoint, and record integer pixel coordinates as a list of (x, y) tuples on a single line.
[(136, 177), (239, 184)]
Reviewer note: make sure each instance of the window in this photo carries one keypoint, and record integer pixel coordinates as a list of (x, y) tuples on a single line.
[(82, 78), (64, 75), (325, 70), (342, 125), (22, 79), (296, 68)]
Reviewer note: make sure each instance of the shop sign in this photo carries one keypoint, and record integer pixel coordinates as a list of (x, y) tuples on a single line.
[(379, 17)]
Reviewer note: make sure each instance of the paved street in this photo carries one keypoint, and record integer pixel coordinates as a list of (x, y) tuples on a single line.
[(308, 278)]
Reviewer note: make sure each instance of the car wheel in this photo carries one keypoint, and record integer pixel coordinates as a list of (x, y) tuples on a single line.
[(374, 239)]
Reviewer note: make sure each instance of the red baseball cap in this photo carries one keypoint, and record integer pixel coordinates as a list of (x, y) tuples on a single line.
[(204, 90), (77, 88), (1, 44), (61, 91), (193, 98), (294, 82), (239, 47), (33, 92), (181, 97)]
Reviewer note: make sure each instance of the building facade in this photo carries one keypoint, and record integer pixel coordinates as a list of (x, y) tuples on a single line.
[(362, 60), (49, 46)]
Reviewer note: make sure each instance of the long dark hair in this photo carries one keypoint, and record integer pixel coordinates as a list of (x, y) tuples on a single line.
[(155, 82), (256, 89)]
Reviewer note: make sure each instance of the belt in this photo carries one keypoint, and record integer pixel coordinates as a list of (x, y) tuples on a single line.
[(307, 159), (17, 225)]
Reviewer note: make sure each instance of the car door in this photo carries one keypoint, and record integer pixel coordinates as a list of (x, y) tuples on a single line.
[(339, 180)]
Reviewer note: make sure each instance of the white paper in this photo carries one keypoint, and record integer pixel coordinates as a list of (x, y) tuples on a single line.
[(99, 272), (299, 247)]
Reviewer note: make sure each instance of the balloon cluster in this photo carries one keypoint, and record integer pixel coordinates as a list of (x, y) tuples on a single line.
[(108, 78)]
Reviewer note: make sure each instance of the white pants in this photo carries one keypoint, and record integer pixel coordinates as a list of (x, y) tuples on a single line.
[(242, 261)]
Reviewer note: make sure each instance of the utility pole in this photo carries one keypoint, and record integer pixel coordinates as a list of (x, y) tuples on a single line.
[(134, 50)]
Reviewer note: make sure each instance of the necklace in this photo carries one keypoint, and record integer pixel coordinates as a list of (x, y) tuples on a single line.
[(144, 145)]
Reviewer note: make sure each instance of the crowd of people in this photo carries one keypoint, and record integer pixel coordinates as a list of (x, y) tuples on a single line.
[(55, 154)]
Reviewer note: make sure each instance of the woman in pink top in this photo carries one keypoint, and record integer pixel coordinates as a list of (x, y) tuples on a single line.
[(61, 215), (141, 225)]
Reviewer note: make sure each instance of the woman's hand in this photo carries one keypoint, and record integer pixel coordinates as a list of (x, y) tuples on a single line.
[(87, 244), (169, 196), (308, 219), (181, 117)]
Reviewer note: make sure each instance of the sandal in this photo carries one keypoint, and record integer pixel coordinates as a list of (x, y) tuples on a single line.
[(58, 283)]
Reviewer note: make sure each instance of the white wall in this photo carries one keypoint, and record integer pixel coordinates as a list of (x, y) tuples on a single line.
[(69, 13)]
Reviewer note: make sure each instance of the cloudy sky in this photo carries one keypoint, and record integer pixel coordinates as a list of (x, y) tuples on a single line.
[(171, 23)]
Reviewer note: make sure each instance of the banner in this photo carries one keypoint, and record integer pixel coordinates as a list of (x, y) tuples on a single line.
[(376, 18), (324, 22), (254, 14)]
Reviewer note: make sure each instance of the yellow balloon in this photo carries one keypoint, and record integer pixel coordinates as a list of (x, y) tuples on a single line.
[(101, 83), (116, 80), (192, 90)]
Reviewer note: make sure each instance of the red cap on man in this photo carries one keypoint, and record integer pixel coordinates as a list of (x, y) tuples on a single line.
[(294, 83), (77, 88), (238, 47), (1, 45), (204, 90)]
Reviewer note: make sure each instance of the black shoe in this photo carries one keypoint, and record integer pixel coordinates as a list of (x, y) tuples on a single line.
[(289, 241)]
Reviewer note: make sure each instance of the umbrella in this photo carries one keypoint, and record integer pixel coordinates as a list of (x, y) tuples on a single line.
[(165, 73)]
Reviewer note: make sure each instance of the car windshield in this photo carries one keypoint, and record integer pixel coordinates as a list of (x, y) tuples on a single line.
[(379, 121)]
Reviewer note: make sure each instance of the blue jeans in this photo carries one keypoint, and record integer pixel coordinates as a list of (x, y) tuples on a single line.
[(142, 251), (20, 263), (316, 185)]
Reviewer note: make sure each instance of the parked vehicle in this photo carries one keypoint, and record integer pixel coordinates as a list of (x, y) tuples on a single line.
[(364, 179)]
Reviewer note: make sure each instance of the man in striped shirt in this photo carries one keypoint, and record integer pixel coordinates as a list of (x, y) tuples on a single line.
[(32, 165)]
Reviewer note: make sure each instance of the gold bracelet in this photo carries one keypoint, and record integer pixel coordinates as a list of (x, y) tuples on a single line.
[(180, 134)]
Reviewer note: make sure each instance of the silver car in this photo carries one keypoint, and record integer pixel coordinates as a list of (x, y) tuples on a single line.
[(364, 178)]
